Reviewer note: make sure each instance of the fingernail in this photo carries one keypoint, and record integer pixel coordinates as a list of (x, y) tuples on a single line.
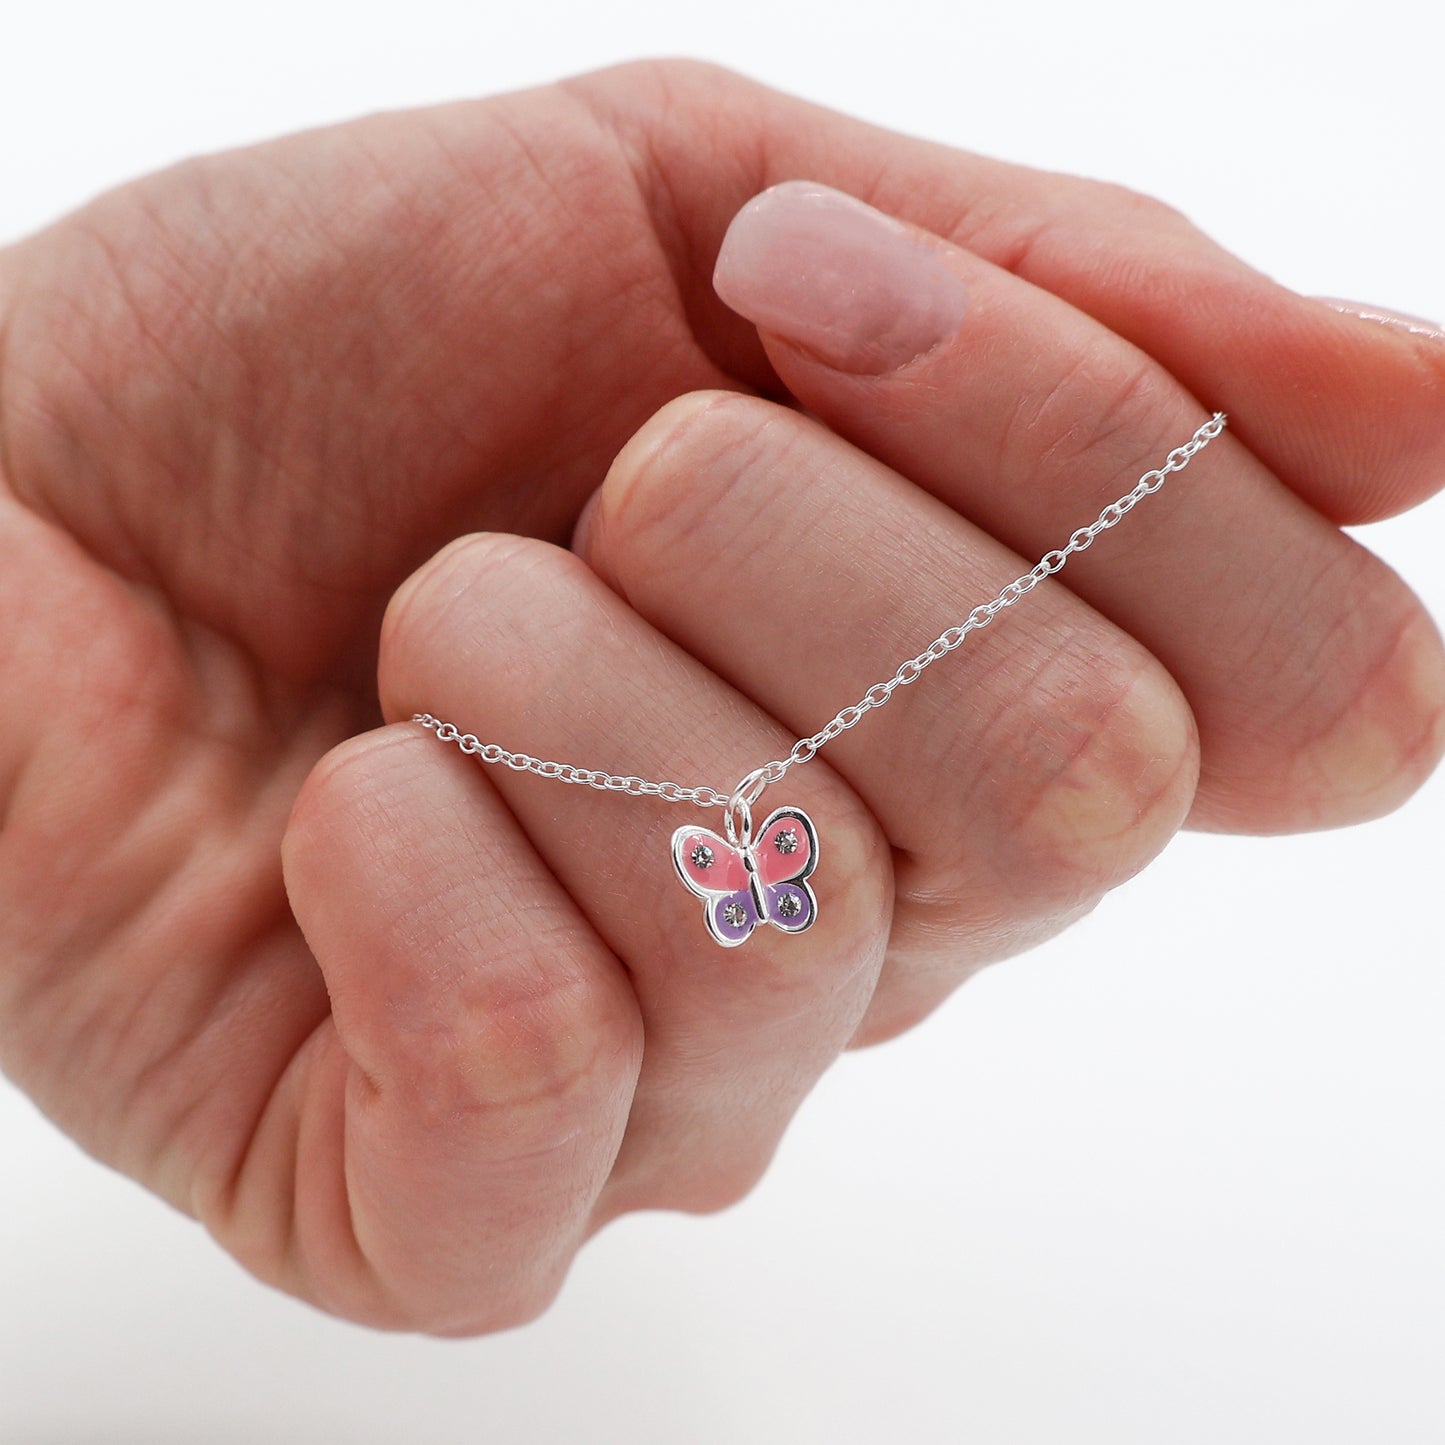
[(857, 288), (1400, 320)]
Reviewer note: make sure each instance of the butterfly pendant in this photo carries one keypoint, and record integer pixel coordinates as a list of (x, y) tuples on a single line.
[(758, 882)]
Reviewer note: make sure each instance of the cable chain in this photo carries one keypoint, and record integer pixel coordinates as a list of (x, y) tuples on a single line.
[(909, 671)]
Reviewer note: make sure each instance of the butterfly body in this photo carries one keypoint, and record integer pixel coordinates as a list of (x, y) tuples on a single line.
[(761, 880)]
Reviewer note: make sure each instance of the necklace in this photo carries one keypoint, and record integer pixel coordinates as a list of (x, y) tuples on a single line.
[(754, 876)]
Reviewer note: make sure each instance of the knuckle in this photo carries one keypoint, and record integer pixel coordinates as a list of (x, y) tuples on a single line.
[(1101, 777), (339, 784), (520, 1059), (499, 1011), (1132, 208), (1370, 728), (524, 1043), (481, 571), (712, 438), (1104, 392)]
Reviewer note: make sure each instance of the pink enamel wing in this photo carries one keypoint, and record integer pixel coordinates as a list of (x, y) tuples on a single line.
[(760, 881)]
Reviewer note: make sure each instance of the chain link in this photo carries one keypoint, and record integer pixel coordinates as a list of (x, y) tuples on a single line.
[(908, 671), (567, 772)]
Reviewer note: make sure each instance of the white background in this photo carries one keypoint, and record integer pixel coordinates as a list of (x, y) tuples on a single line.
[(1178, 1177)]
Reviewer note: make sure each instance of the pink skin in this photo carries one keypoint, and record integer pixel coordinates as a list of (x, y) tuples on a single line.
[(404, 1032)]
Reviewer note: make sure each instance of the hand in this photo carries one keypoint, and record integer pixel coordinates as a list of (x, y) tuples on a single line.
[(242, 400)]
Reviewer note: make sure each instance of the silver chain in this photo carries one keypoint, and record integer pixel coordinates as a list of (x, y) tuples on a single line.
[(750, 788)]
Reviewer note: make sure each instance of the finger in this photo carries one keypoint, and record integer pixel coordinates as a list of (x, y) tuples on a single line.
[(452, 1128), (417, 262), (1348, 412), (1317, 679), (1017, 781), (518, 643)]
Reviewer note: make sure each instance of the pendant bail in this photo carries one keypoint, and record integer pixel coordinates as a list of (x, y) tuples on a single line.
[(739, 814)]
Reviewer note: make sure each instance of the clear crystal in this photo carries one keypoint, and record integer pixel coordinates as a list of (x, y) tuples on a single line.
[(789, 905), (786, 841), (735, 915), (701, 856)]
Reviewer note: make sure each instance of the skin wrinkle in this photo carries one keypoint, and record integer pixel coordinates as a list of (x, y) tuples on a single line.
[(78, 934), (658, 197), (1410, 751), (533, 993), (127, 553), (138, 315), (275, 469), (541, 168), (975, 678), (1036, 709), (656, 450), (699, 93), (1019, 841), (146, 904), (182, 285), (151, 920), (1132, 394), (995, 936), (581, 339), (1225, 735), (262, 1241), (421, 609), (133, 560), (1019, 241), (191, 1147), (356, 1210), (426, 1058), (533, 1273), (1317, 593), (1328, 712), (1134, 397), (359, 1287), (359, 501), (184, 711), (932, 924)]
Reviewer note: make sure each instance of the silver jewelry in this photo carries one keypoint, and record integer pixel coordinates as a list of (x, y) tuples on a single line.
[(744, 882)]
